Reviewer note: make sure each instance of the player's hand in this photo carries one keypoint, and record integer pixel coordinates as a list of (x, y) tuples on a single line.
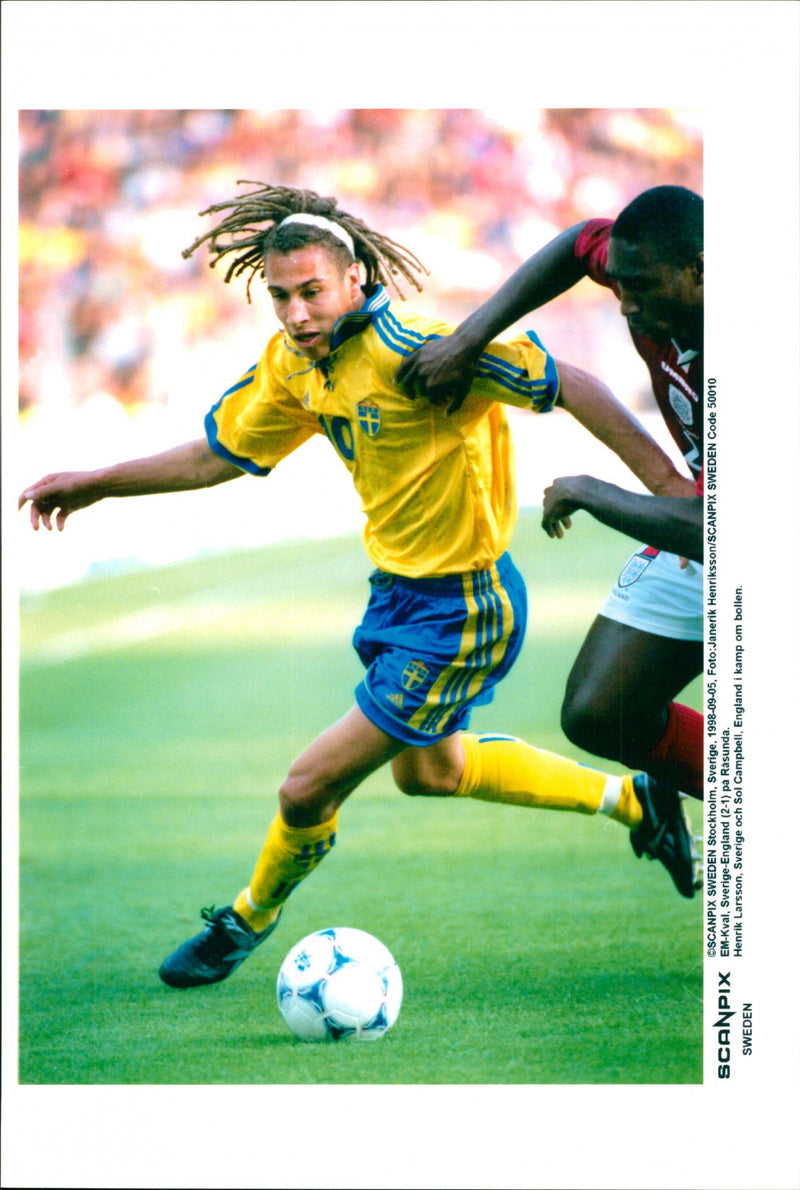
[(560, 501), (60, 494), (441, 371)]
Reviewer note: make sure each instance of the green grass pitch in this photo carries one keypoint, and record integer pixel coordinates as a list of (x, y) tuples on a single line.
[(159, 712)]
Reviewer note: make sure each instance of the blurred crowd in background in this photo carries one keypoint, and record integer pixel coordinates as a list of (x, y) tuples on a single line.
[(108, 199), (124, 345)]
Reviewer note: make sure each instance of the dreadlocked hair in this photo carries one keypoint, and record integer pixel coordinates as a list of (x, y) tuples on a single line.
[(243, 233)]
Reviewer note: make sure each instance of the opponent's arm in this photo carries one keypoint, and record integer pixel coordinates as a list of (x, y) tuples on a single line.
[(443, 369), (184, 468), (671, 523), (594, 405)]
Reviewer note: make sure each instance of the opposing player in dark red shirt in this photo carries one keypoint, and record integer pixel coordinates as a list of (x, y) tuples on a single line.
[(646, 643), (671, 523)]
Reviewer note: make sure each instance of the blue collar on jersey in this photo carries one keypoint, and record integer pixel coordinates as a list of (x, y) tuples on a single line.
[(358, 320)]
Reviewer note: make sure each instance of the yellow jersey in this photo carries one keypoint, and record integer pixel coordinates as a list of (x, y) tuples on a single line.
[(437, 489)]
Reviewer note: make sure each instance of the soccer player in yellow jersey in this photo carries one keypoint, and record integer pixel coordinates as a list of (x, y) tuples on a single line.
[(447, 609)]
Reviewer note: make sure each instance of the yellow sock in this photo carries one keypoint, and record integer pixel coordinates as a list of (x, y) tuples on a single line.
[(288, 855), (505, 769)]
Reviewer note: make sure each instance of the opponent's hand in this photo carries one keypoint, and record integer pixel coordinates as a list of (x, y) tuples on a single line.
[(560, 501), (61, 493), (441, 370)]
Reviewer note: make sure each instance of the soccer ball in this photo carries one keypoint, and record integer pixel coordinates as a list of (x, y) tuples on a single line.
[(339, 983)]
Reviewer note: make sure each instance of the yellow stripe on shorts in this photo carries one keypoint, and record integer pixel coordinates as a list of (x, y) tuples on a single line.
[(488, 626)]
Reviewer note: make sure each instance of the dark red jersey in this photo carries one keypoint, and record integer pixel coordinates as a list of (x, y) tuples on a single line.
[(676, 376)]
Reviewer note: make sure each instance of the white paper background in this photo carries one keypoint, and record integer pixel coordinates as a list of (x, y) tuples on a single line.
[(739, 62)]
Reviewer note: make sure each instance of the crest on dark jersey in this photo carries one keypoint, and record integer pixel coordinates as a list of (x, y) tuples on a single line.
[(681, 404)]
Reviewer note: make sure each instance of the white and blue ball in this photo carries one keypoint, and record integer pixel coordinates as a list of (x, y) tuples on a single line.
[(337, 984)]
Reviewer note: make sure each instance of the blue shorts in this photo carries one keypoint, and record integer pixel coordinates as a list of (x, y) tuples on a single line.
[(435, 647)]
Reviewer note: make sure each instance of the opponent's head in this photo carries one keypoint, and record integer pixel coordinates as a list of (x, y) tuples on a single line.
[(656, 258), (317, 261)]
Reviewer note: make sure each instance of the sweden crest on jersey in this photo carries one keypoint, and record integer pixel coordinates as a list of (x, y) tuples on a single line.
[(369, 417)]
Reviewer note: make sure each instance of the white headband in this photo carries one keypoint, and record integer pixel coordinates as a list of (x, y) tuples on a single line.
[(326, 225)]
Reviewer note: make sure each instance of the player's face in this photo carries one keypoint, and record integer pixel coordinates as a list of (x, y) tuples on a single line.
[(660, 300), (310, 294)]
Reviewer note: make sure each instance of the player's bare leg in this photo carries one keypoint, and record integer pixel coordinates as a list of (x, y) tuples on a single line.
[(302, 833), (431, 772), (620, 697), (501, 768), (498, 768), (331, 767)]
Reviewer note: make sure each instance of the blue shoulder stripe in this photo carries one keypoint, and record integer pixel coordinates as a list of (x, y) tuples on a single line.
[(541, 393), (395, 335), (517, 381), (550, 372), (217, 447), (537, 391), (246, 379)]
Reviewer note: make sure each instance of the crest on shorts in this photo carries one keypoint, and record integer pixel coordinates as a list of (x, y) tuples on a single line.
[(414, 674), (369, 417), (636, 566)]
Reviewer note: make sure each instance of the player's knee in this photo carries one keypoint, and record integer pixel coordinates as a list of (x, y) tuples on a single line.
[(304, 801), (575, 718), (587, 723), (423, 783), (414, 787)]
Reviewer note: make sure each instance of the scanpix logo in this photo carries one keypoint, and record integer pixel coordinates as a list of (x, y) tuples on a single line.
[(722, 1024)]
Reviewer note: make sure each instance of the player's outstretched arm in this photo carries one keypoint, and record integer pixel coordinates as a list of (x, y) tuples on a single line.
[(671, 523), (594, 405), (192, 465), (443, 369)]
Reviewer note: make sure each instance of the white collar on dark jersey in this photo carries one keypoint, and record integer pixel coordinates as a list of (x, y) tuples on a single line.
[(684, 357)]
